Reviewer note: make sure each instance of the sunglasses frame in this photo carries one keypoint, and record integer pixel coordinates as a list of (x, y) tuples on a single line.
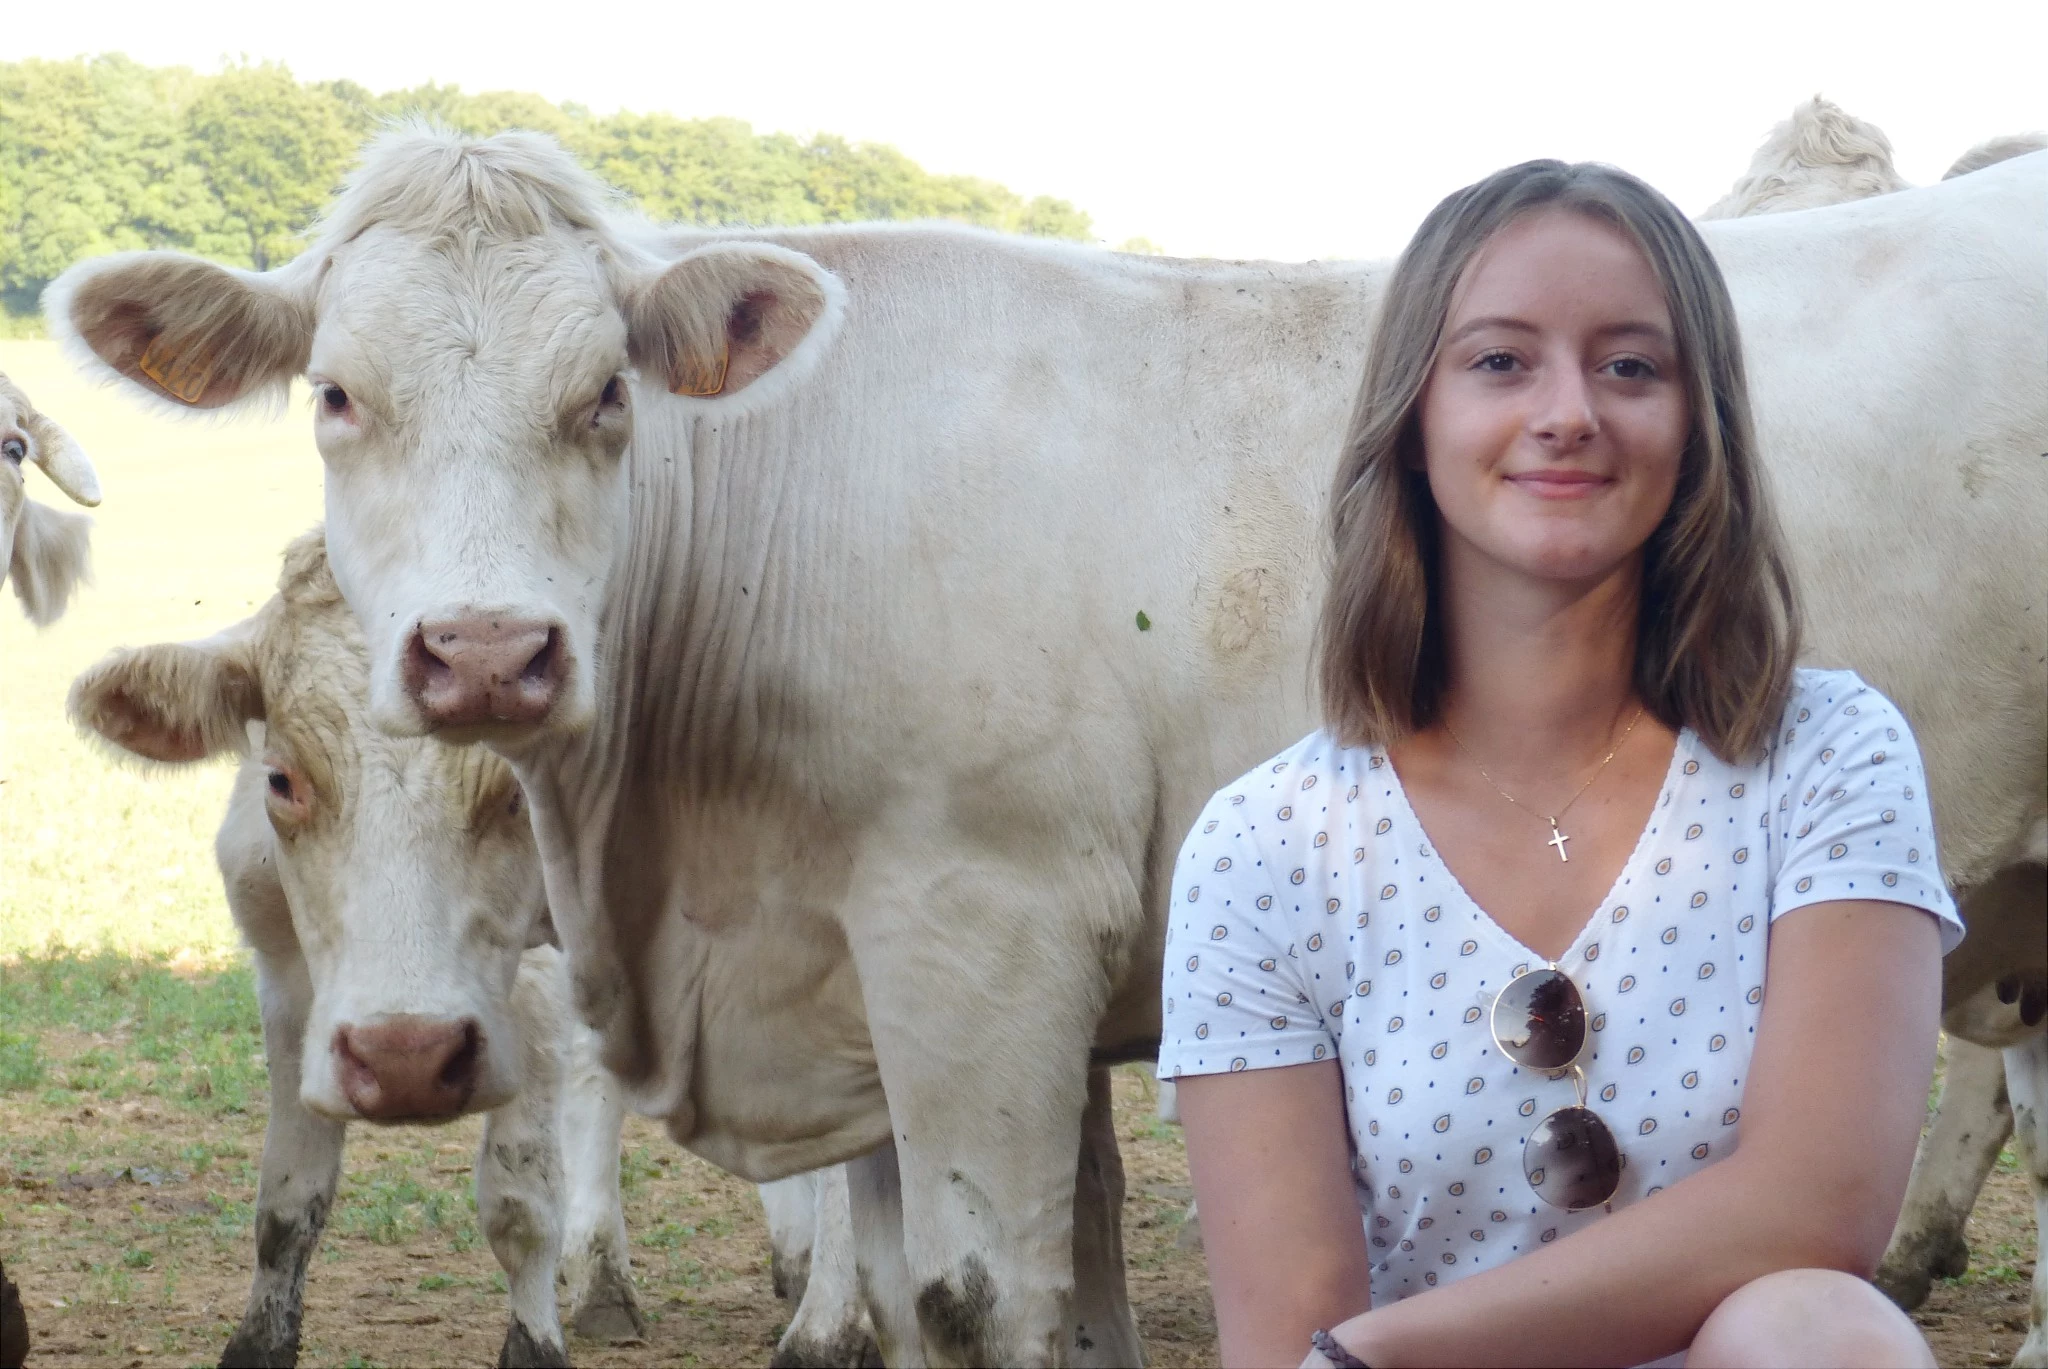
[(1571, 1067)]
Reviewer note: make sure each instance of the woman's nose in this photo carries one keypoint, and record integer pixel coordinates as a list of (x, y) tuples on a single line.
[(1564, 416)]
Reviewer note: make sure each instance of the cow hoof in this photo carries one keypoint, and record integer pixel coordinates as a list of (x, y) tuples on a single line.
[(14, 1338), (523, 1350), (259, 1347), (609, 1320), (606, 1309), (1908, 1274), (853, 1349)]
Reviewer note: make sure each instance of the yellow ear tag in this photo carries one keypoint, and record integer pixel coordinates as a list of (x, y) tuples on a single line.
[(183, 376), (703, 381)]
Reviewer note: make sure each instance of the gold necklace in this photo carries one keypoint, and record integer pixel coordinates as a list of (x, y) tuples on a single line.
[(1557, 838)]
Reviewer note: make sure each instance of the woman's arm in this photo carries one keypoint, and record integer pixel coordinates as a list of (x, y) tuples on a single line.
[(1831, 1113), (1271, 1162)]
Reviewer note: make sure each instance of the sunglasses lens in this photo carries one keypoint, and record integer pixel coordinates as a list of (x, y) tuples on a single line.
[(1571, 1159), (1540, 1020)]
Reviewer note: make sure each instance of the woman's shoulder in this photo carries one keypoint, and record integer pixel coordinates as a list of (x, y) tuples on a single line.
[(1826, 709), (1316, 760)]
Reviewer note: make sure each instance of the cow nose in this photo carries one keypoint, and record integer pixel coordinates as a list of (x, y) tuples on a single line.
[(408, 1068), (466, 671)]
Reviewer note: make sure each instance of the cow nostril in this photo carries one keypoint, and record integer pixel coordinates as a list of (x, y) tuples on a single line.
[(542, 665), (423, 657), (459, 1071)]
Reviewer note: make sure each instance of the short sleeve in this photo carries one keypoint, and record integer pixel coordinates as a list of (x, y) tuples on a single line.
[(1232, 993), (1852, 819)]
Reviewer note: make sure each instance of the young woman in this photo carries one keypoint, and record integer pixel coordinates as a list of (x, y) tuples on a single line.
[(1465, 992)]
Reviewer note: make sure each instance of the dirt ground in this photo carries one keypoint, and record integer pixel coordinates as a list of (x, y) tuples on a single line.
[(128, 1229)]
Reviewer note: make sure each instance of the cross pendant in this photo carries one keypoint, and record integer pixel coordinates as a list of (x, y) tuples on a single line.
[(1558, 839)]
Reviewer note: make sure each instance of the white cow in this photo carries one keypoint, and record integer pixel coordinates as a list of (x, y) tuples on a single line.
[(1822, 155), (1992, 151), (1995, 990), (416, 821), (390, 893), (868, 611), (43, 550)]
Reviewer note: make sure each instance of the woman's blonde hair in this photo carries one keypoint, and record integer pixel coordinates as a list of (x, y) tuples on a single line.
[(1718, 626)]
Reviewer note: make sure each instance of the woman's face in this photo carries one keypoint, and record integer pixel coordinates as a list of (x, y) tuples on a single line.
[(1554, 419)]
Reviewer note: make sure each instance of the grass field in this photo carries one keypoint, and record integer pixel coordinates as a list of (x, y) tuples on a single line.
[(132, 1087)]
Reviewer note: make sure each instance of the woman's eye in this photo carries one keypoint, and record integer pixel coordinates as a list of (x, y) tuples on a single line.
[(1633, 368), (334, 398), (1500, 363)]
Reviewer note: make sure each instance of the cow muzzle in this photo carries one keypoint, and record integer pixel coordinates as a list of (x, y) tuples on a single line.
[(482, 670), (407, 1068)]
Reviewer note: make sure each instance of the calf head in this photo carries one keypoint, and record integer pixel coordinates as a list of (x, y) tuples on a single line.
[(477, 327), (402, 869), (43, 551)]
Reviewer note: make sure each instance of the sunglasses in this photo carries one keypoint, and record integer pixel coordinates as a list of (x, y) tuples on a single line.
[(1571, 1159)]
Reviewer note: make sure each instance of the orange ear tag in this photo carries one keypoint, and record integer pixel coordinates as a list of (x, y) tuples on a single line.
[(702, 381), (184, 376)]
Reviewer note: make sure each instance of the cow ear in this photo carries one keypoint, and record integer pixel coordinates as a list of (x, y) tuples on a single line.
[(174, 702), (53, 449), (719, 319), (50, 558), (200, 335)]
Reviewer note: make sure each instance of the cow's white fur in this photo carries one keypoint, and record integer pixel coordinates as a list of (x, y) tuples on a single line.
[(45, 552), (1992, 151), (884, 783), (415, 847), (1821, 155)]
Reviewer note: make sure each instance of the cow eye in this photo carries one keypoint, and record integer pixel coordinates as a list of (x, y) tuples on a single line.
[(518, 802), (335, 398), (281, 785), (611, 392), (15, 450)]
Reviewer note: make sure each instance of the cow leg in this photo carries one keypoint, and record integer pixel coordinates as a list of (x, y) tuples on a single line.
[(1104, 1331), (829, 1330), (792, 1208), (1970, 1126), (301, 1165), (2026, 1075), (596, 1260), (982, 1042), (875, 1194), (519, 1188)]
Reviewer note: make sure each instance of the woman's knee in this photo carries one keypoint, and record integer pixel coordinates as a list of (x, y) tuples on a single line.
[(1801, 1317)]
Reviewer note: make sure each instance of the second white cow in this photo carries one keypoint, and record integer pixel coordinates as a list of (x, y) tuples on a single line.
[(390, 893)]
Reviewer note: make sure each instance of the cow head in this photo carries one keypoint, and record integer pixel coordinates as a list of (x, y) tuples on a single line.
[(43, 551), (404, 870), (477, 327)]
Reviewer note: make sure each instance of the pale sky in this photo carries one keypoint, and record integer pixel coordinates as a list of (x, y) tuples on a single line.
[(1283, 129)]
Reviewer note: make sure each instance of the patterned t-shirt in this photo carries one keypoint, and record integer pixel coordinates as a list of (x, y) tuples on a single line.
[(1312, 919)]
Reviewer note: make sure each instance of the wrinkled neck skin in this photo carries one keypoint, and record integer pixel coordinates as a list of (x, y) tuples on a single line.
[(684, 660)]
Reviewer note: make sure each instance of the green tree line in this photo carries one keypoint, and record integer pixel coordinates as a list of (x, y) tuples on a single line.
[(105, 154)]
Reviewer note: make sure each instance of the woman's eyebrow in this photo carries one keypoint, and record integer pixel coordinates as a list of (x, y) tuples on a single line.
[(1656, 332), (1480, 325), (1627, 328)]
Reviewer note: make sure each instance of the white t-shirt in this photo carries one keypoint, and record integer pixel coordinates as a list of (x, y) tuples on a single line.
[(1311, 918)]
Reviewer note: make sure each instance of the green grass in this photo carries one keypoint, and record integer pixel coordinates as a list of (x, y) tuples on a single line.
[(100, 854)]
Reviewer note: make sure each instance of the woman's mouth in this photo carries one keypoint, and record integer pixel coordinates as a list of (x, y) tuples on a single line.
[(1558, 484)]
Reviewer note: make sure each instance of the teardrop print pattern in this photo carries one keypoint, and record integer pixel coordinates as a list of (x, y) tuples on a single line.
[(1312, 873)]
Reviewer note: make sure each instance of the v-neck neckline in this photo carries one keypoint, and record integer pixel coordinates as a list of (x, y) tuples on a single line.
[(1682, 749)]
